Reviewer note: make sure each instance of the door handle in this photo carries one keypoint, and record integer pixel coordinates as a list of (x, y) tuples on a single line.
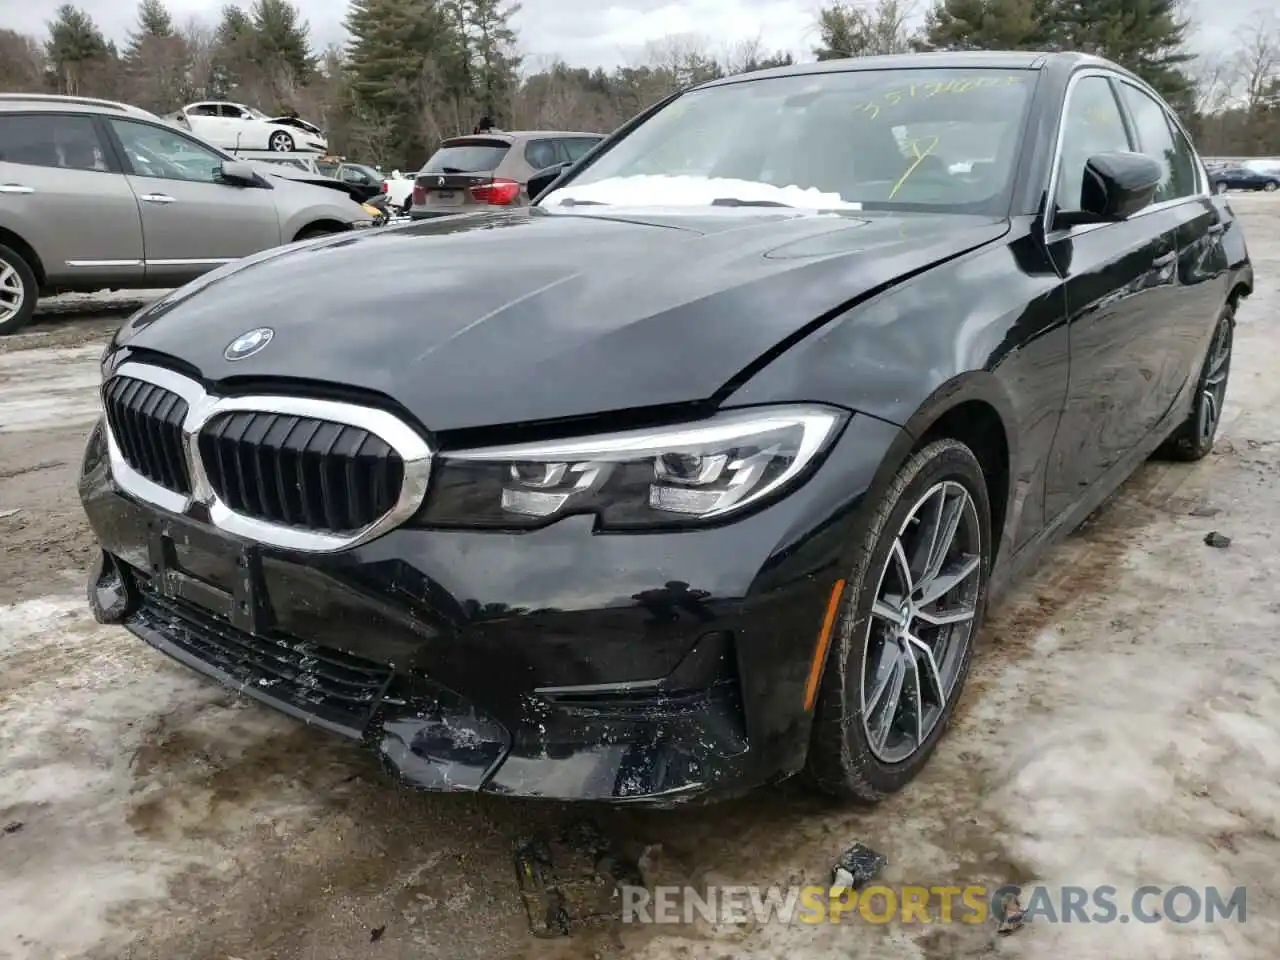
[(157, 198), (15, 188), (1217, 230), (1163, 261)]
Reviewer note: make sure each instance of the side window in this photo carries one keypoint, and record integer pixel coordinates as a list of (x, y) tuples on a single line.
[(540, 153), (230, 111), (157, 152), (1156, 140), (1093, 125), (576, 147), (203, 110), (64, 141)]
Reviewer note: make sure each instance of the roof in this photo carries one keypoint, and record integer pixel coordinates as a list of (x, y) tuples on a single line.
[(973, 59), (58, 103), (512, 135)]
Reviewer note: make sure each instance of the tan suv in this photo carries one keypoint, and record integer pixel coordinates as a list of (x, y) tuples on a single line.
[(491, 169), (96, 194)]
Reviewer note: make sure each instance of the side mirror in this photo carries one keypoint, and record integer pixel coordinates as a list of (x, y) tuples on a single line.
[(1115, 187), (239, 173), (544, 178)]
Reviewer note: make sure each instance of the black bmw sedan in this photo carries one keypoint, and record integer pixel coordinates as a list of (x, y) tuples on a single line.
[(700, 472)]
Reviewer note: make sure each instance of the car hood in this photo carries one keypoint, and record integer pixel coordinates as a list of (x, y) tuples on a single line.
[(512, 317)]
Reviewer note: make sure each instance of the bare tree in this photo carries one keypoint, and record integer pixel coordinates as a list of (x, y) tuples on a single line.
[(1258, 61), (863, 30), (22, 64)]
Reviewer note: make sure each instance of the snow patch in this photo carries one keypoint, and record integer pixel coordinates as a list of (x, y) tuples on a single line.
[(660, 190)]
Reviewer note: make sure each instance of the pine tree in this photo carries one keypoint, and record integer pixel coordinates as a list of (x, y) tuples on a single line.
[(154, 19), (491, 53), (157, 61), (75, 50), (988, 25), (282, 36), (406, 62), (1145, 36)]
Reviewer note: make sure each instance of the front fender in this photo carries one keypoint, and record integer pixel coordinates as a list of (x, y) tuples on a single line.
[(989, 327)]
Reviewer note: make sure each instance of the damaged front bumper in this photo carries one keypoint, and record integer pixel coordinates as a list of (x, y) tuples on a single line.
[(657, 669), (622, 744)]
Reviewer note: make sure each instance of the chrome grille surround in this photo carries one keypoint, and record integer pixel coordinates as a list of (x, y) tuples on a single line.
[(413, 450)]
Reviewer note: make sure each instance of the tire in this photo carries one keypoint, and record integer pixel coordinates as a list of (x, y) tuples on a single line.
[(844, 760), (1270, 186), (310, 233), (1194, 439), (18, 291), (1219, 188), (280, 142)]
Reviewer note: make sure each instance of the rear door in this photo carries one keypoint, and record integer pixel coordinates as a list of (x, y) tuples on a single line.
[(444, 184), (575, 148), (1182, 204), (62, 191), (1122, 290), (241, 130), (204, 122), (192, 221)]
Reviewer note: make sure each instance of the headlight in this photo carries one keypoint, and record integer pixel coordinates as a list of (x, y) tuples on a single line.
[(672, 476)]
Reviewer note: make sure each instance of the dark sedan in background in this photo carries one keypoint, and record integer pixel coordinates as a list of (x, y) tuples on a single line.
[(1242, 178), (700, 472)]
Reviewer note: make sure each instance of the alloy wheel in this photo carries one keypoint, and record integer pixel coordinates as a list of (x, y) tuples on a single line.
[(1213, 388), (1270, 187), (921, 624), (12, 293), (1221, 188), (281, 142)]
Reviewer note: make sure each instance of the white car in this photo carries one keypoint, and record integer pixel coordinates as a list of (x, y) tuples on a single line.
[(234, 126), (399, 190)]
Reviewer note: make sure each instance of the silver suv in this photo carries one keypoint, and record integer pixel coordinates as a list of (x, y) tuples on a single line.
[(96, 194)]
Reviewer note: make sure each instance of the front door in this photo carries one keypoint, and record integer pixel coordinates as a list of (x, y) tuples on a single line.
[(192, 221), (62, 193), (1121, 290)]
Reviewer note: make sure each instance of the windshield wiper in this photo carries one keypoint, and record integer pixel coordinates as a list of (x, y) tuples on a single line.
[(451, 170), (571, 202), (735, 202)]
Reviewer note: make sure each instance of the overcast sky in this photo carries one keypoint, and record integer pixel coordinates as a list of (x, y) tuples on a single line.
[(594, 33)]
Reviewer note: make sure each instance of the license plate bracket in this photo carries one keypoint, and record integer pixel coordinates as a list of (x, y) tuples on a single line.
[(241, 599)]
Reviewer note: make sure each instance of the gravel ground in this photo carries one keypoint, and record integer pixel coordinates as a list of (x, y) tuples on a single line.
[(1120, 727)]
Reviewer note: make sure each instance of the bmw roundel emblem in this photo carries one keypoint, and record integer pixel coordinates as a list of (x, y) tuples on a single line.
[(248, 343)]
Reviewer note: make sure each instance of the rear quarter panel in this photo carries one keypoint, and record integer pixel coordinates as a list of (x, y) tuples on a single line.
[(1235, 246)]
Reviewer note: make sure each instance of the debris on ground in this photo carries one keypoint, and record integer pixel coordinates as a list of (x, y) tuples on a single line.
[(13, 827), (1216, 539), (1009, 913), (1204, 511), (376, 933), (571, 879), (855, 868), (6, 514)]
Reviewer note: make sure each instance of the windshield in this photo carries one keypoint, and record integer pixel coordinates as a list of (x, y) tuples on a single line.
[(944, 140), (467, 156)]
